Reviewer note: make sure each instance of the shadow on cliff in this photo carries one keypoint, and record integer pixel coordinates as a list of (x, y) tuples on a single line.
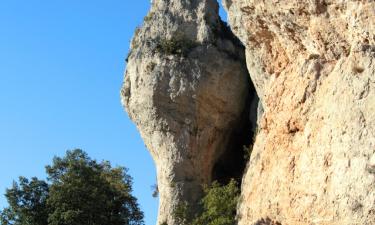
[(232, 163)]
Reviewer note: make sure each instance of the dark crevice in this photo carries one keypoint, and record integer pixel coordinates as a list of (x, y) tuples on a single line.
[(232, 162)]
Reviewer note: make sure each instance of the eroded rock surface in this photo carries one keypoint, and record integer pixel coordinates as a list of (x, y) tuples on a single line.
[(186, 87), (313, 65)]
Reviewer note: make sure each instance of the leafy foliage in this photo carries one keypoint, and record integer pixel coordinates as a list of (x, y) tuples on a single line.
[(27, 203), (155, 191), (177, 45), (181, 213), (81, 192), (149, 17), (219, 205)]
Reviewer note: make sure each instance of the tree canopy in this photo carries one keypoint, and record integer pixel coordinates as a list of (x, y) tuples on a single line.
[(27, 203), (78, 191)]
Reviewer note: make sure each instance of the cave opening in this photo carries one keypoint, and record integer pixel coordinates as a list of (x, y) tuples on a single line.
[(232, 162)]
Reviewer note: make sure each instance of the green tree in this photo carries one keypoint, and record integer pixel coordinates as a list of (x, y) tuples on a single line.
[(80, 191), (27, 203), (219, 205)]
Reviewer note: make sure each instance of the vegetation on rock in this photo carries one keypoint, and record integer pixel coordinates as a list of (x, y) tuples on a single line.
[(177, 45), (219, 206)]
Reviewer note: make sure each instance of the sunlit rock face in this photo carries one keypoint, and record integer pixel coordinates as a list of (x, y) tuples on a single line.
[(187, 89), (312, 63)]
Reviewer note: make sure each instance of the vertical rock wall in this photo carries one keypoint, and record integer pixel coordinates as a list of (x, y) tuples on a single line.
[(186, 87), (313, 65)]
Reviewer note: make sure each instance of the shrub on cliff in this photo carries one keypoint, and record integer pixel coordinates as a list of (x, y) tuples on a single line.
[(177, 45), (219, 205), (80, 191)]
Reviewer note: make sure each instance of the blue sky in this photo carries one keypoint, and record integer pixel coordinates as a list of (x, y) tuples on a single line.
[(61, 66)]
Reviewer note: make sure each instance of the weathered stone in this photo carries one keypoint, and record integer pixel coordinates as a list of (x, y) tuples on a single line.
[(313, 66), (186, 88)]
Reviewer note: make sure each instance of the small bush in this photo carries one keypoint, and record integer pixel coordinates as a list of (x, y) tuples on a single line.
[(181, 213), (219, 205), (149, 17), (177, 45), (155, 191)]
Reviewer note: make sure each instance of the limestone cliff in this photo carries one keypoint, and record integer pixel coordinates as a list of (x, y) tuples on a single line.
[(187, 89), (313, 65)]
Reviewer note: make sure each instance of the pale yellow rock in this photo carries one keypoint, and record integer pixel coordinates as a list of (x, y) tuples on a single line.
[(313, 65)]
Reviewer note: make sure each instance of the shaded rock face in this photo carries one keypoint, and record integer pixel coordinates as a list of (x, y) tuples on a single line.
[(188, 90), (313, 66)]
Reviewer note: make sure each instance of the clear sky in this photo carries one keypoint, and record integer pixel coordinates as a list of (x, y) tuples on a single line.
[(61, 69)]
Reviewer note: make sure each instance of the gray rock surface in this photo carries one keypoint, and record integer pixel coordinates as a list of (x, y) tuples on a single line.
[(186, 87)]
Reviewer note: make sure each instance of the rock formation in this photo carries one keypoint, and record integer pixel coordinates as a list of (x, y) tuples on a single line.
[(312, 63), (187, 89), (313, 66)]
